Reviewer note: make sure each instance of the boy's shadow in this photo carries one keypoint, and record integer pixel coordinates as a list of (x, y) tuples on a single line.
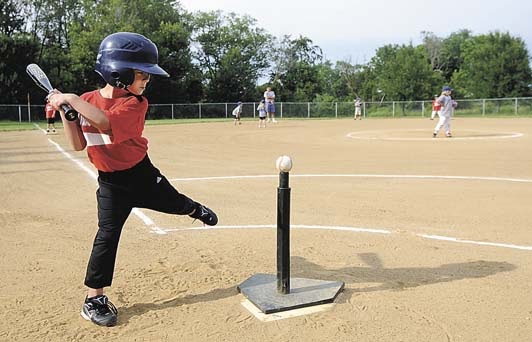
[(387, 279), (138, 309)]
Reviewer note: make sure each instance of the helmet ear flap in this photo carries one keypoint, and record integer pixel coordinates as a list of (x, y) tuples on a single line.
[(121, 78)]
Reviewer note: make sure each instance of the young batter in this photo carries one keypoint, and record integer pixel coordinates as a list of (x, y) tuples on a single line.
[(110, 125)]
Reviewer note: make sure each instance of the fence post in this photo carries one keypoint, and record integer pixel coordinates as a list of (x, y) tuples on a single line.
[(308, 110), (422, 109), (226, 110), (483, 107), (516, 106), (393, 109), (254, 109), (199, 105), (19, 114), (172, 111), (336, 110), (281, 109), (29, 109)]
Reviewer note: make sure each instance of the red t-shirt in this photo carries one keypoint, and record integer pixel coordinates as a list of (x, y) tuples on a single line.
[(123, 146), (436, 106), (50, 111)]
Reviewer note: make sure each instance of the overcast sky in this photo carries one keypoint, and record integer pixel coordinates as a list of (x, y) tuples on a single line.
[(353, 29)]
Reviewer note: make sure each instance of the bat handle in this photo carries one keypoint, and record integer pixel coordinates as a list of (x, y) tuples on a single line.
[(70, 113)]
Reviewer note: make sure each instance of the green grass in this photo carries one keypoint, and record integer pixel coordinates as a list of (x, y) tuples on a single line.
[(6, 126)]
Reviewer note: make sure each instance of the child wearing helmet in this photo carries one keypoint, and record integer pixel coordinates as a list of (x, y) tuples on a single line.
[(110, 126), (446, 112)]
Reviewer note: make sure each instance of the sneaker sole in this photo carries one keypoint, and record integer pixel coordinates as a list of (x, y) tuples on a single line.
[(85, 316)]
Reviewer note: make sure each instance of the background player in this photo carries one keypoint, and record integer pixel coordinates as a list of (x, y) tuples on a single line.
[(261, 108), (50, 117), (436, 107), (237, 112), (358, 109), (446, 112)]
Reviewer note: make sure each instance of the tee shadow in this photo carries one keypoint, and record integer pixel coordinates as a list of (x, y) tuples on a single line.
[(394, 279)]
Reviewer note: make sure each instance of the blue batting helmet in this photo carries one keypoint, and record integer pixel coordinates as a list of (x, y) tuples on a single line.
[(446, 88), (122, 52)]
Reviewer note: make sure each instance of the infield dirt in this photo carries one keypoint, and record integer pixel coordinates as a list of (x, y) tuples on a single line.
[(386, 174)]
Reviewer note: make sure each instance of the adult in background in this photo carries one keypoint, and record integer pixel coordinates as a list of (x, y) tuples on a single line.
[(269, 98), (446, 112), (50, 117)]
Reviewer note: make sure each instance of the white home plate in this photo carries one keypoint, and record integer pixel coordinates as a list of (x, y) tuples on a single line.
[(284, 314)]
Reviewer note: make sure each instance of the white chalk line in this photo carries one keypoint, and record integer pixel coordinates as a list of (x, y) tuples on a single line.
[(356, 230), (136, 211), (161, 231), (498, 179), (301, 226), (481, 243), (494, 135)]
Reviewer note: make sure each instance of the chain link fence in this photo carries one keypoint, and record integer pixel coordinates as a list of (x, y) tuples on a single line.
[(388, 109)]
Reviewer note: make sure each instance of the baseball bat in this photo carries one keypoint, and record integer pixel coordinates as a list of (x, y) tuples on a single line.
[(40, 78)]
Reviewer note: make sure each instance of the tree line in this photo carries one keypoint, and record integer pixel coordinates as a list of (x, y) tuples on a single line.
[(222, 57)]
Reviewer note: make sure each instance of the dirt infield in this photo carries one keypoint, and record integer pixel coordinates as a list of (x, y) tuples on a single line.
[(444, 252)]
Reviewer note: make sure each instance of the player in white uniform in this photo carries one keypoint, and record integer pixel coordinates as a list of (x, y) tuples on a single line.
[(446, 112), (358, 110), (237, 112)]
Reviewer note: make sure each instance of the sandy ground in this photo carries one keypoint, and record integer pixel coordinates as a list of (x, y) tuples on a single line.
[(174, 283)]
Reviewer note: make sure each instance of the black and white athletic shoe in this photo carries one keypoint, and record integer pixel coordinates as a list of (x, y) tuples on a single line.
[(205, 215), (100, 311)]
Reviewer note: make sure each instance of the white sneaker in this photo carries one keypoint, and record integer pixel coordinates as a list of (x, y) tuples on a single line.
[(274, 120)]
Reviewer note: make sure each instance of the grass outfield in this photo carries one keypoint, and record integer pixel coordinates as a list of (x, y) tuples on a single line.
[(6, 126), (16, 126)]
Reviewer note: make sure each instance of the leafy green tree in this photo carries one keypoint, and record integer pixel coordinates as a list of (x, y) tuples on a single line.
[(433, 45), (494, 65), (451, 57), (230, 52), (402, 73), (17, 52), (11, 18), (296, 69), (162, 21), (48, 23)]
